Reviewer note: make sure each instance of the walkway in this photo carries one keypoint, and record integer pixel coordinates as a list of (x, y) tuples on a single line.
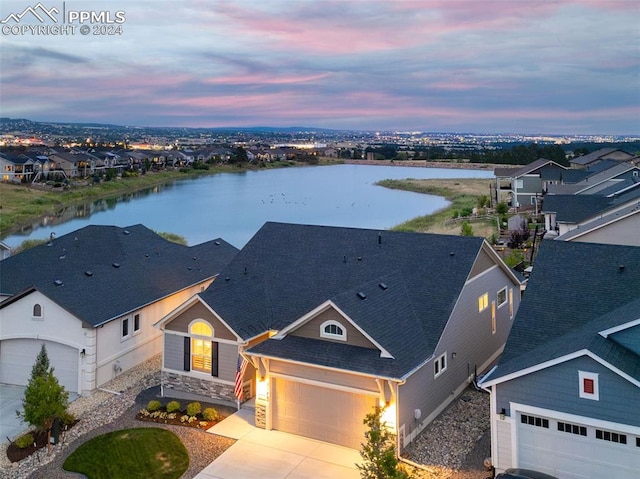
[(276, 455)]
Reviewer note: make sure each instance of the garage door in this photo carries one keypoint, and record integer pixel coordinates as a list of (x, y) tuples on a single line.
[(320, 413), (17, 357), (575, 450)]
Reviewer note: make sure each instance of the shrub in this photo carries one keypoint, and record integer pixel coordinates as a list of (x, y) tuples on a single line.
[(193, 409), (210, 414), (173, 406), (24, 441), (67, 418), (153, 406)]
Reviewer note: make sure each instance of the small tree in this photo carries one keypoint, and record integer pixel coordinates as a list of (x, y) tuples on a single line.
[(467, 229), (502, 208), (378, 452), (44, 398)]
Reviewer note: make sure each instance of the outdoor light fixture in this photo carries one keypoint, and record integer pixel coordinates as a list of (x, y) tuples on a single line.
[(453, 355), (83, 352), (503, 413)]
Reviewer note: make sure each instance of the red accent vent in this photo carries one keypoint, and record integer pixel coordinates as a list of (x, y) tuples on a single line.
[(588, 386)]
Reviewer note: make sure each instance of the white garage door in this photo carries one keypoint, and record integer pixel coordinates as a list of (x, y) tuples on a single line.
[(575, 450), (320, 413), (17, 357)]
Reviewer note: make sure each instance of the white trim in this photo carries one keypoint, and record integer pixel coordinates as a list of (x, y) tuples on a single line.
[(438, 362), (560, 360), (331, 322), (313, 382), (572, 418), (506, 297), (322, 308), (616, 329), (200, 336), (582, 375), (133, 317), (124, 337), (187, 335)]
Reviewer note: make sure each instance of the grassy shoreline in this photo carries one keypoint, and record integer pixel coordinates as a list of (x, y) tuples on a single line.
[(461, 193)]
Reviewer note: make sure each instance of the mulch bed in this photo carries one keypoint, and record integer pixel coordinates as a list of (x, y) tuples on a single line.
[(199, 423), (40, 438)]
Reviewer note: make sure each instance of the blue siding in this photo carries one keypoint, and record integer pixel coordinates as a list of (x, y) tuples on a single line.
[(556, 388)]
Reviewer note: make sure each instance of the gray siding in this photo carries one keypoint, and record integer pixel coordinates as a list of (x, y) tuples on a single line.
[(556, 388), (173, 351), (311, 329), (469, 335), (483, 263), (323, 375), (622, 232), (199, 311), (174, 356)]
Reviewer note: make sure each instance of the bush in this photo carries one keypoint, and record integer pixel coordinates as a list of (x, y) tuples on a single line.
[(193, 409), (24, 441), (210, 414), (173, 406), (67, 419), (153, 406)]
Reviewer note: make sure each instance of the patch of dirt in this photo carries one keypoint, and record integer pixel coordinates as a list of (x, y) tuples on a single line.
[(40, 439)]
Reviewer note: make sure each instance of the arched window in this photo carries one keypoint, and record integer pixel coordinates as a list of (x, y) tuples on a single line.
[(202, 349), (37, 311), (333, 330)]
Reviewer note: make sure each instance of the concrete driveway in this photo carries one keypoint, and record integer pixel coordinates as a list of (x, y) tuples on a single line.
[(276, 455), (10, 402)]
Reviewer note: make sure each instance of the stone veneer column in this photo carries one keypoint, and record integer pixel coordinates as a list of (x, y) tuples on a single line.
[(201, 387), (261, 415)]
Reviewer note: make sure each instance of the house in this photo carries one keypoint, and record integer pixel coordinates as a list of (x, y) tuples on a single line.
[(92, 296), (609, 181), (598, 156), (526, 185), (565, 393), (324, 323)]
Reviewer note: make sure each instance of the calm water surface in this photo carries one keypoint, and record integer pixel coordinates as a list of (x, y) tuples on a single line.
[(234, 206)]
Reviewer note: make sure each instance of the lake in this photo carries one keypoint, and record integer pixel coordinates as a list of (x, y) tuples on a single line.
[(233, 206)]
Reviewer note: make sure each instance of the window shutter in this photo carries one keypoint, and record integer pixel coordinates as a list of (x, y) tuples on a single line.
[(214, 358), (187, 354)]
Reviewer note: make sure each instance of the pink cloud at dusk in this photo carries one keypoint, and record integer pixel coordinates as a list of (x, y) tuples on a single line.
[(470, 65)]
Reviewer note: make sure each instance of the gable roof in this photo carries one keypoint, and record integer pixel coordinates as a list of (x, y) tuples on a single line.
[(577, 208), (286, 270), (537, 165), (575, 291), (106, 271), (596, 155)]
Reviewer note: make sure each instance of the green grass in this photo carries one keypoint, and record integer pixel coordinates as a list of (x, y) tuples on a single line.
[(141, 453)]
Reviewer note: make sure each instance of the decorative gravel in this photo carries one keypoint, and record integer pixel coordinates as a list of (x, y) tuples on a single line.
[(103, 412), (456, 443)]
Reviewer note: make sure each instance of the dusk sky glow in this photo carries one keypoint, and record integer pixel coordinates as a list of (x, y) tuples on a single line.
[(480, 66)]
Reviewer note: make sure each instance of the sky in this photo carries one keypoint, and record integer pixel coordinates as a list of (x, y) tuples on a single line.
[(506, 66)]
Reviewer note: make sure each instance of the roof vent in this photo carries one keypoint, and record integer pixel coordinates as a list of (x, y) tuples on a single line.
[(621, 267), (57, 282), (217, 243), (452, 254), (359, 258), (383, 286), (227, 278), (361, 295), (127, 232), (146, 255), (63, 256), (195, 258), (88, 273), (115, 265)]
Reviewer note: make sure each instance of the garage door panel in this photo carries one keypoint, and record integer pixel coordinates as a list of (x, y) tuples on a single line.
[(320, 413), (17, 357), (574, 456)]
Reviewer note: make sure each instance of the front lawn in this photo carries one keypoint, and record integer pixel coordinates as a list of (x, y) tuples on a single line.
[(132, 453)]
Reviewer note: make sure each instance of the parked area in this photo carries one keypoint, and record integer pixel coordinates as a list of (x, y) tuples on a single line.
[(464, 424)]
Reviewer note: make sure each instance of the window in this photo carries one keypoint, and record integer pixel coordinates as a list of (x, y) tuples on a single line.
[(493, 317), (534, 421), (440, 365), (483, 302), (637, 441), (125, 328), (511, 303), (588, 385), (572, 428), (202, 348), (333, 330), (611, 436), (502, 296), (37, 311), (136, 323)]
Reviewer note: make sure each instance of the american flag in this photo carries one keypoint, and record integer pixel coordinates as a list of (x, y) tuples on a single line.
[(242, 367)]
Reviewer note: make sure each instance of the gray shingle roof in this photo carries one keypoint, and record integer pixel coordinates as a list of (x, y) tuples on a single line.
[(593, 156), (575, 291), (292, 269), (149, 268)]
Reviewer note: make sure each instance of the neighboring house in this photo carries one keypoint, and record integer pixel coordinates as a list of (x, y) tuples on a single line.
[(598, 156), (566, 391), (5, 250), (92, 296), (607, 182), (336, 321), (614, 217), (526, 185)]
